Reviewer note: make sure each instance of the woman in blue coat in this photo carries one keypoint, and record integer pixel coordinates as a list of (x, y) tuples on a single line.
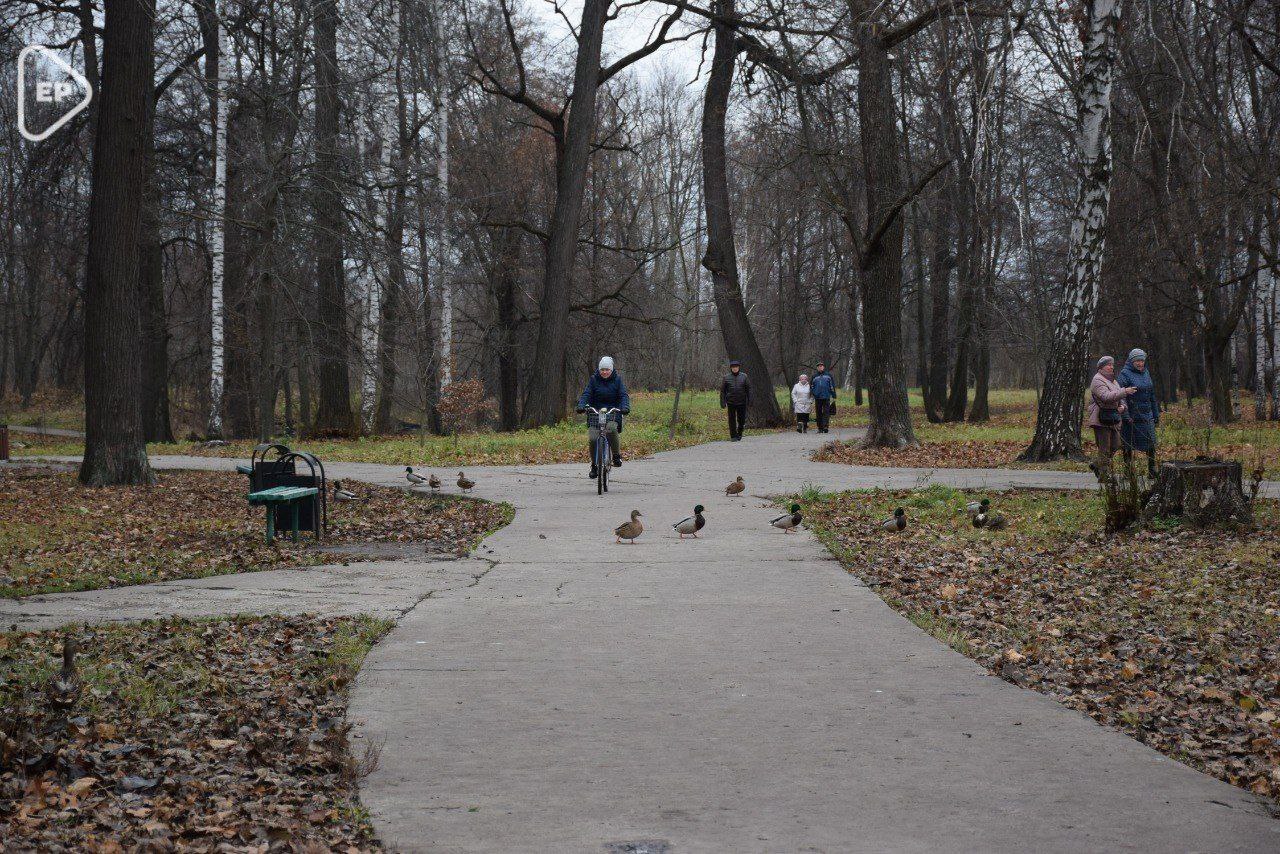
[(1142, 412)]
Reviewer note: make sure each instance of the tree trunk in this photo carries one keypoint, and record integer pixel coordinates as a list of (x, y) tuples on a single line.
[(506, 290), (720, 258), (889, 412), (1058, 415), (935, 390), (545, 403), (216, 82), (444, 222), (155, 332), (333, 409), (389, 311), (115, 451), (958, 400)]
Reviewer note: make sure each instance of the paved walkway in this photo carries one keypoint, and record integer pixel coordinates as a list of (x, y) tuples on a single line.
[(740, 692)]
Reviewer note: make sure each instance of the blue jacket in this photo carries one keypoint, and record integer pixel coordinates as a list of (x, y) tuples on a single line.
[(1141, 406), (602, 393), (822, 386)]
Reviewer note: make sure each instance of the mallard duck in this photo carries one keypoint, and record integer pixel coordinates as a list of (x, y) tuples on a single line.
[(990, 521), (973, 508), (787, 521), (64, 689), (340, 494), (413, 478), (464, 483), (434, 482), (896, 522), (691, 524), (736, 487), (629, 530)]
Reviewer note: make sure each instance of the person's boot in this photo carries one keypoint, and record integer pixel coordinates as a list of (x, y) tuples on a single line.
[(617, 461), (595, 472)]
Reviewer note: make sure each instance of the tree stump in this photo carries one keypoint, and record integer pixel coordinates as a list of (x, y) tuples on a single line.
[(1200, 492)]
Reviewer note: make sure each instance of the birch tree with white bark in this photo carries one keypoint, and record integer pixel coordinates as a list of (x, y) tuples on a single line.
[(1058, 415), (218, 232)]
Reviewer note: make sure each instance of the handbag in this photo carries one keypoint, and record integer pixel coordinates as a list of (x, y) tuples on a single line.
[(833, 406), (1109, 417)]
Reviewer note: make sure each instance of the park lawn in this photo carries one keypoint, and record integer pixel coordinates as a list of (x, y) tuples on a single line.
[(56, 535), (1169, 634), (209, 734), (644, 433), (1184, 432)]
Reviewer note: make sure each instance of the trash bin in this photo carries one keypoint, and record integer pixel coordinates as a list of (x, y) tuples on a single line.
[(313, 515), (259, 464)]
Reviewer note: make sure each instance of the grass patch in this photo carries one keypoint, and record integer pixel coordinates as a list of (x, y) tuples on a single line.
[(208, 734), (644, 433), (58, 536), (1169, 634)]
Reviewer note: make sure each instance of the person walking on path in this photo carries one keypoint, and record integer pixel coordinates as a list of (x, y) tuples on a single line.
[(605, 390), (735, 395), (1142, 413), (802, 403), (1106, 403), (824, 396)]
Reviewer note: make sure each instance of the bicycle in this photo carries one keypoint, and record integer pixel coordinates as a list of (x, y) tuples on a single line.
[(602, 458)]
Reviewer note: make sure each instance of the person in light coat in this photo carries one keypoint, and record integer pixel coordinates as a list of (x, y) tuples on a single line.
[(802, 403), (1106, 406)]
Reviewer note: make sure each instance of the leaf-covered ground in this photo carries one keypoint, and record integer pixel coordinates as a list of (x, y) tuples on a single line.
[(1170, 635), (226, 735), (56, 535), (1184, 433)]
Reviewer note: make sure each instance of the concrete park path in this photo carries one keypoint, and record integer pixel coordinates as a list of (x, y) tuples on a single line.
[(736, 693)]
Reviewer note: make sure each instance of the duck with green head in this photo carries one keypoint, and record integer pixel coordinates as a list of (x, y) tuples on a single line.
[(788, 521), (691, 524)]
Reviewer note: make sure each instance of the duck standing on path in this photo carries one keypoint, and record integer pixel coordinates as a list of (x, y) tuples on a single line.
[(990, 521), (413, 477), (434, 482), (629, 530), (788, 521), (736, 487), (896, 522), (340, 494), (464, 483), (691, 524)]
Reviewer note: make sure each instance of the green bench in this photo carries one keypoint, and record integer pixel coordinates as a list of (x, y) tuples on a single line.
[(282, 496)]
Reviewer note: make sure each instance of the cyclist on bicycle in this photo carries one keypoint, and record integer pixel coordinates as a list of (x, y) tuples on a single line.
[(605, 390)]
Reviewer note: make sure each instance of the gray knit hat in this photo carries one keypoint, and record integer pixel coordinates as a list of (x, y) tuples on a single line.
[(1104, 361), (1137, 353)]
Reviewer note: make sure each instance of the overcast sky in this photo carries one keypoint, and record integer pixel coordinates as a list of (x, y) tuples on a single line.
[(627, 33)]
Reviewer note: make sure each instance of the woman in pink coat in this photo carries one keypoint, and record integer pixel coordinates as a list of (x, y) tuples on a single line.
[(1106, 402)]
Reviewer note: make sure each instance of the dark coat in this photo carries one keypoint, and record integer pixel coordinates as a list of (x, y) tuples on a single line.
[(735, 389), (1142, 410), (605, 393), (823, 386)]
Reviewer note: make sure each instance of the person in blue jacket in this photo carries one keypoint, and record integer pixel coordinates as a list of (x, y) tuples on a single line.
[(1142, 412), (823, 388), (605, 390)]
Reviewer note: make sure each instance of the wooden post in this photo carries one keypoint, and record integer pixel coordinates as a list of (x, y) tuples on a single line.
[(4, 443)]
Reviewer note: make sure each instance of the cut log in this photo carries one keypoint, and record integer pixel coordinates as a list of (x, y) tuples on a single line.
[(1200, 492)]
